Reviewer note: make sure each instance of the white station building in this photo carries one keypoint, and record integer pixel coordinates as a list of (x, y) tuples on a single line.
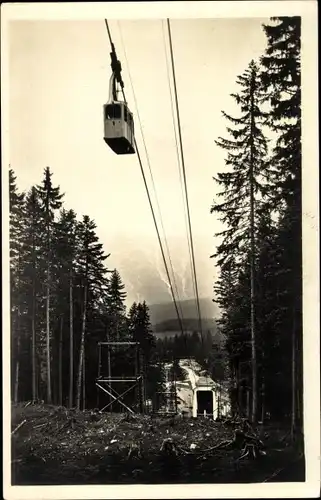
[(199, 395)]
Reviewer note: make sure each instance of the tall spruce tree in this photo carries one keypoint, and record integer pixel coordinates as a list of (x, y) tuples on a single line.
[(64, 256), (51, 201), (34, 278), (243, 188), (132, 319), (267, 304), (282, 80), (176, 371), (16, 230), (91, 276), (116, 308), (140, 330)]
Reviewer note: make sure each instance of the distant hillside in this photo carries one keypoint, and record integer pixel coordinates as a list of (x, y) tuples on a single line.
[(189, 324), (159, 313), (165, 322), (161, 331)]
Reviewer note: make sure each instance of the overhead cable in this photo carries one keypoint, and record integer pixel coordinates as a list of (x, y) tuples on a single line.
[(184, 177), (151, 207)]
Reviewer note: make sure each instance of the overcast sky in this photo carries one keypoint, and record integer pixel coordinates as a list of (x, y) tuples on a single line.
[(59, 80)]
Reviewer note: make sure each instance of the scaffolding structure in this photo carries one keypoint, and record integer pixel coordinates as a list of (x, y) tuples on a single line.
[(166, 402), (107, 383)]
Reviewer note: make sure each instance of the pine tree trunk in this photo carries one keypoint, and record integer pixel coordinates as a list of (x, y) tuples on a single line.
[(218, 404), (248, 406), (252, 264), (298, 363), (49, 394), (239, 390), (293, 370), (299, 416), (263, 374), (98, 375), (33, 344), (71, 342), (263, 403), (81, 353), (17, 373), (48, 353), (137, 373), (109, 372), (141, 405), (84, 382), (33, 324), (60, 361)]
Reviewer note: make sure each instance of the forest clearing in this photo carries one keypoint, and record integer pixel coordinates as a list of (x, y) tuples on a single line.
[(65, 446)]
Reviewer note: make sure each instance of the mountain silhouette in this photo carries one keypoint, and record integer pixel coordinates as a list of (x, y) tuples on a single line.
[(165, 311)]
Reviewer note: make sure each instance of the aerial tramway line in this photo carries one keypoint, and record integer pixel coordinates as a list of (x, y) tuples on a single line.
[(119, 135)]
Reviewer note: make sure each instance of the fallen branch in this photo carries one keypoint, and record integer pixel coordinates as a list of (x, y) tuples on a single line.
[(18, 427), (134, 450), (169, 447), (128, 417), (71, 422), (249, 451), (285, 436), (247, 427), (275, 473), (40, 425), (245, 454), (249, 445), (221, 445)]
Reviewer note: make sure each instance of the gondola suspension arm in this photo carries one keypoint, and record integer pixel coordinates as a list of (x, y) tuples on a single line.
[(115, 67), (118, 119)]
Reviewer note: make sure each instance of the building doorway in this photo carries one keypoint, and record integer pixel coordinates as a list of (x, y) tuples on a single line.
[(204, 402)]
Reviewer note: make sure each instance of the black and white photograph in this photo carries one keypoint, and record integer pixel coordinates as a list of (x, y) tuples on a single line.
[(160, 249)]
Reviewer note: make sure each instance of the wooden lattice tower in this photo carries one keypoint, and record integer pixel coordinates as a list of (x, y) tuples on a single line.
[(113, 383)]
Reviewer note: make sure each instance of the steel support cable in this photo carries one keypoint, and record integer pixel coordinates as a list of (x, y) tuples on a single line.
[(178, 163), (155, 223), (151, 207), (180, 174), (163, 255), (151, 173), (184, 177), (158, 236), (109, 35), (177, 153)]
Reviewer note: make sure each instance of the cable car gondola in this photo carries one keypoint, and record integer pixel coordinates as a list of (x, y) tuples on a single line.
[(118, 119)]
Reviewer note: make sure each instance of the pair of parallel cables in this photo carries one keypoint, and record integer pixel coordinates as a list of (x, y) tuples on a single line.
[(183, 180)]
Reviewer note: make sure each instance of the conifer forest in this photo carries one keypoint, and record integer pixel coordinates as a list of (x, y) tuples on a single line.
[(65, 299)]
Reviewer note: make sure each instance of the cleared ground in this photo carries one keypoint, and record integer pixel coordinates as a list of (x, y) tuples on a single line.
[(57, 446)]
